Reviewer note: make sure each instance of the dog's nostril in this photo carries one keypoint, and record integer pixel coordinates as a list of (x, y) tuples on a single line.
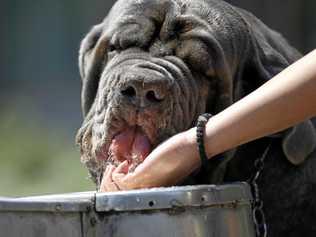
[(129, 92), (153, 97)]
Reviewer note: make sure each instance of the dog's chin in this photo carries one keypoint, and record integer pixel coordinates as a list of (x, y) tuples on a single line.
[(130, 144)]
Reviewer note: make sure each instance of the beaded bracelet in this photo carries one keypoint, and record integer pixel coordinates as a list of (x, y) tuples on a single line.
[(200, 128)]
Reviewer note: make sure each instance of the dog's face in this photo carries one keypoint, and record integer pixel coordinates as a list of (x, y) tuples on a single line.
[(149, 82), (151, 68)]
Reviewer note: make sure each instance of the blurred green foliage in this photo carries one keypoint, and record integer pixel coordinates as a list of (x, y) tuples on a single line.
[(36, 160)]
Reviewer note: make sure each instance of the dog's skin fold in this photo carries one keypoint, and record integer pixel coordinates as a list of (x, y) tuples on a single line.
[(152, 66)]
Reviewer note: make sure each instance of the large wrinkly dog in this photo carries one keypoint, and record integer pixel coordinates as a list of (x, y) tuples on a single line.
[(153, 66)]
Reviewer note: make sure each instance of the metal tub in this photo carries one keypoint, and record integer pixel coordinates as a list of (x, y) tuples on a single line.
[(189, 211)]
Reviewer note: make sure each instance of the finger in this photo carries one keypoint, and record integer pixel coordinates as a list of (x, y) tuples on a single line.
[(118, 177), (123, 181), (109, 187), (105, 179), (122, 168), (107, 175), (107, 184)]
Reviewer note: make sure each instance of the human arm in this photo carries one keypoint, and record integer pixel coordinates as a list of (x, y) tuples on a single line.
[(285, 100)]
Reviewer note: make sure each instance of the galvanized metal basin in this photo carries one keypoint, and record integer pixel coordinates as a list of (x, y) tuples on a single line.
[(199, 211)]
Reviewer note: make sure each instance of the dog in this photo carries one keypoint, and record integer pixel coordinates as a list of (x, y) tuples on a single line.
[(153, 66)]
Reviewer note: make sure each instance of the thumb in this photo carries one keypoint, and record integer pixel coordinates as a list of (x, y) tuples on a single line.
[(122, 168)]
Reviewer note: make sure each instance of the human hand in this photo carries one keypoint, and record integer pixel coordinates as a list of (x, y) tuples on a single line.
[(108, 184), (166, 165)]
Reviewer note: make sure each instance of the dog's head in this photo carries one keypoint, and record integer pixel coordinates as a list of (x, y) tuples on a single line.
[(151, 67)]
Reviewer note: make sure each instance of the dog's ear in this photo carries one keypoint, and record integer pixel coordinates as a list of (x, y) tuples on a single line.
[(86, 46), (91, 56), (299, 142), (272, 54)]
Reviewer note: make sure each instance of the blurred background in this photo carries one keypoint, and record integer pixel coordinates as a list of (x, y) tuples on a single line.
[(40, 84)]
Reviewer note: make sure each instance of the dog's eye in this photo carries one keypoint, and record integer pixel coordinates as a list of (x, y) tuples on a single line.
[(112, 51), (114, 45), (112, 48)]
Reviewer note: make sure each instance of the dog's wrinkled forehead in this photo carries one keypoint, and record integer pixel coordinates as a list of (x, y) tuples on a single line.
[(161, 28), (142, 18)]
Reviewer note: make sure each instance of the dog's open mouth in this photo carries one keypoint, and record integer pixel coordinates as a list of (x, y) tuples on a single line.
[(132, 145)]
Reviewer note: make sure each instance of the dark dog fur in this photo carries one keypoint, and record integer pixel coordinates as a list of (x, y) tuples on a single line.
[(195, 57)]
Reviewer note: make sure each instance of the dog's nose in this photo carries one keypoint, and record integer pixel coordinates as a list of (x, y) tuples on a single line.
[(144, 92)]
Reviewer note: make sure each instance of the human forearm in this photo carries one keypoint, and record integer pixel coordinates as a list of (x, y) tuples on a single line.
[(288, 98)]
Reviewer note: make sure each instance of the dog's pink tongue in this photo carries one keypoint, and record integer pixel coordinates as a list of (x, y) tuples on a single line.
[(131, 145), (141, 146)]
